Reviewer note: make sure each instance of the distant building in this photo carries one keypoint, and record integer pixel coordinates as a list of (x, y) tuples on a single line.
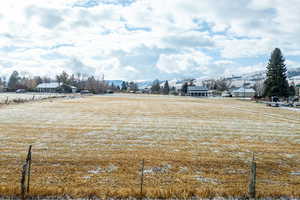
[(243, 92), (198, 91), (48, 87), (55, 87)]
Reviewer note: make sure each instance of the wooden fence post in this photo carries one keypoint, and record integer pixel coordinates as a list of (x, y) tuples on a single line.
[(28, 160), (252, 183), (26, 172), (23, 178), (142, 178)]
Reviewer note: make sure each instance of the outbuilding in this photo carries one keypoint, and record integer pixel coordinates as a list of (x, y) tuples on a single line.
[(243, 92), (55, 87), (48, 87), (198, 91)]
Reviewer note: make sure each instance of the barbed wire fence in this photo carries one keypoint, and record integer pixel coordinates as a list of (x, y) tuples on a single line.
[(251, 179)]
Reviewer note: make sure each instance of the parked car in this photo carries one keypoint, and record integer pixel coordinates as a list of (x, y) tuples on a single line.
[(275, 99), (20, 91), (109, 91)]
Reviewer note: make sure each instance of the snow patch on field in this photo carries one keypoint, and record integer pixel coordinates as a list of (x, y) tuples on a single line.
[(291, 109), (206, 180), (155, 170)]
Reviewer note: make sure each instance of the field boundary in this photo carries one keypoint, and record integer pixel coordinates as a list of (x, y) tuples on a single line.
[(251, 190)]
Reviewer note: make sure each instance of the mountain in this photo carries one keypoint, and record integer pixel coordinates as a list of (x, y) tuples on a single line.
[(293, 72), (144, 84), (260, 75), (115, 82)]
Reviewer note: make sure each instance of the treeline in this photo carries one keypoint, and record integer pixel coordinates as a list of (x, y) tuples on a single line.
[(16, 81), (158, 87), (80, 81)]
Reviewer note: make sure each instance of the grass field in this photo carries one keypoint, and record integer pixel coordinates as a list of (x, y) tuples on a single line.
[(192, 147)]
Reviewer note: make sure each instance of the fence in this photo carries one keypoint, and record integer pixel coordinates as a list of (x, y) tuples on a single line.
[(26, 173), (10, 98)]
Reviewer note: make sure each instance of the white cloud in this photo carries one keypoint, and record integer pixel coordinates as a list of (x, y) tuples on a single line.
[(176, 37), (175, 63)]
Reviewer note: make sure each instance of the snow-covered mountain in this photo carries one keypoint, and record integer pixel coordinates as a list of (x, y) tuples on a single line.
[(115, 82), (144, 84), (260, 75), (250, 78)]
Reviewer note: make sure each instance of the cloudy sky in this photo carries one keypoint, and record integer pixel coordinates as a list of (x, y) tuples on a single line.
[(147, 39)]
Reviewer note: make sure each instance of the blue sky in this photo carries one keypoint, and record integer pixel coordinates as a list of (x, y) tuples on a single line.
[(146, 39)]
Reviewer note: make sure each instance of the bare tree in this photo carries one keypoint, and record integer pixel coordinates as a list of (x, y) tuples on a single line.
[(210, 84), (259, 88), (223, 84)]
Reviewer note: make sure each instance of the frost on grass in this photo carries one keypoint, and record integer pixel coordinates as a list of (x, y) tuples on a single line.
[(206, 180), (155, 170), (109, 169), (95, 144)]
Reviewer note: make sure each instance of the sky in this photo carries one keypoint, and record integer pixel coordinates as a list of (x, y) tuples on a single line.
[(146, 39)]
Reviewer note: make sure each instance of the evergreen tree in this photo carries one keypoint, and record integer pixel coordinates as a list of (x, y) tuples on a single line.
[(13, 80), (124, 86), (133, 86), (276, 83), (155, 88), (166, 88), (292, 91), (184, 88), (38, 80)]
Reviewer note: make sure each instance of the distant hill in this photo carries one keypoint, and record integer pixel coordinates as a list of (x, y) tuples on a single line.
[(260, 75), (115, 82), (293, 72), (250, 77), (144, 84)]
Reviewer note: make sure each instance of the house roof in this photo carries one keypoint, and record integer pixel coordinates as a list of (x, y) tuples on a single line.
[(244, 90), (197, 88), (48, 85)]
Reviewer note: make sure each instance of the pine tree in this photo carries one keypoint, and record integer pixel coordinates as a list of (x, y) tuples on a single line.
[(13, 80), (124, 86), (292, 91), (155, 88), (166, 88), (276, 83), (184, 88)]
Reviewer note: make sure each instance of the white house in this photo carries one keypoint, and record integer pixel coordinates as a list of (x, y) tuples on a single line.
[(243, 92), (198, 91), (55, 87), (48, 87)]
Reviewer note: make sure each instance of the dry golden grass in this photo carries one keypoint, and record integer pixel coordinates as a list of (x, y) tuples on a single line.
[(199, 147)]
